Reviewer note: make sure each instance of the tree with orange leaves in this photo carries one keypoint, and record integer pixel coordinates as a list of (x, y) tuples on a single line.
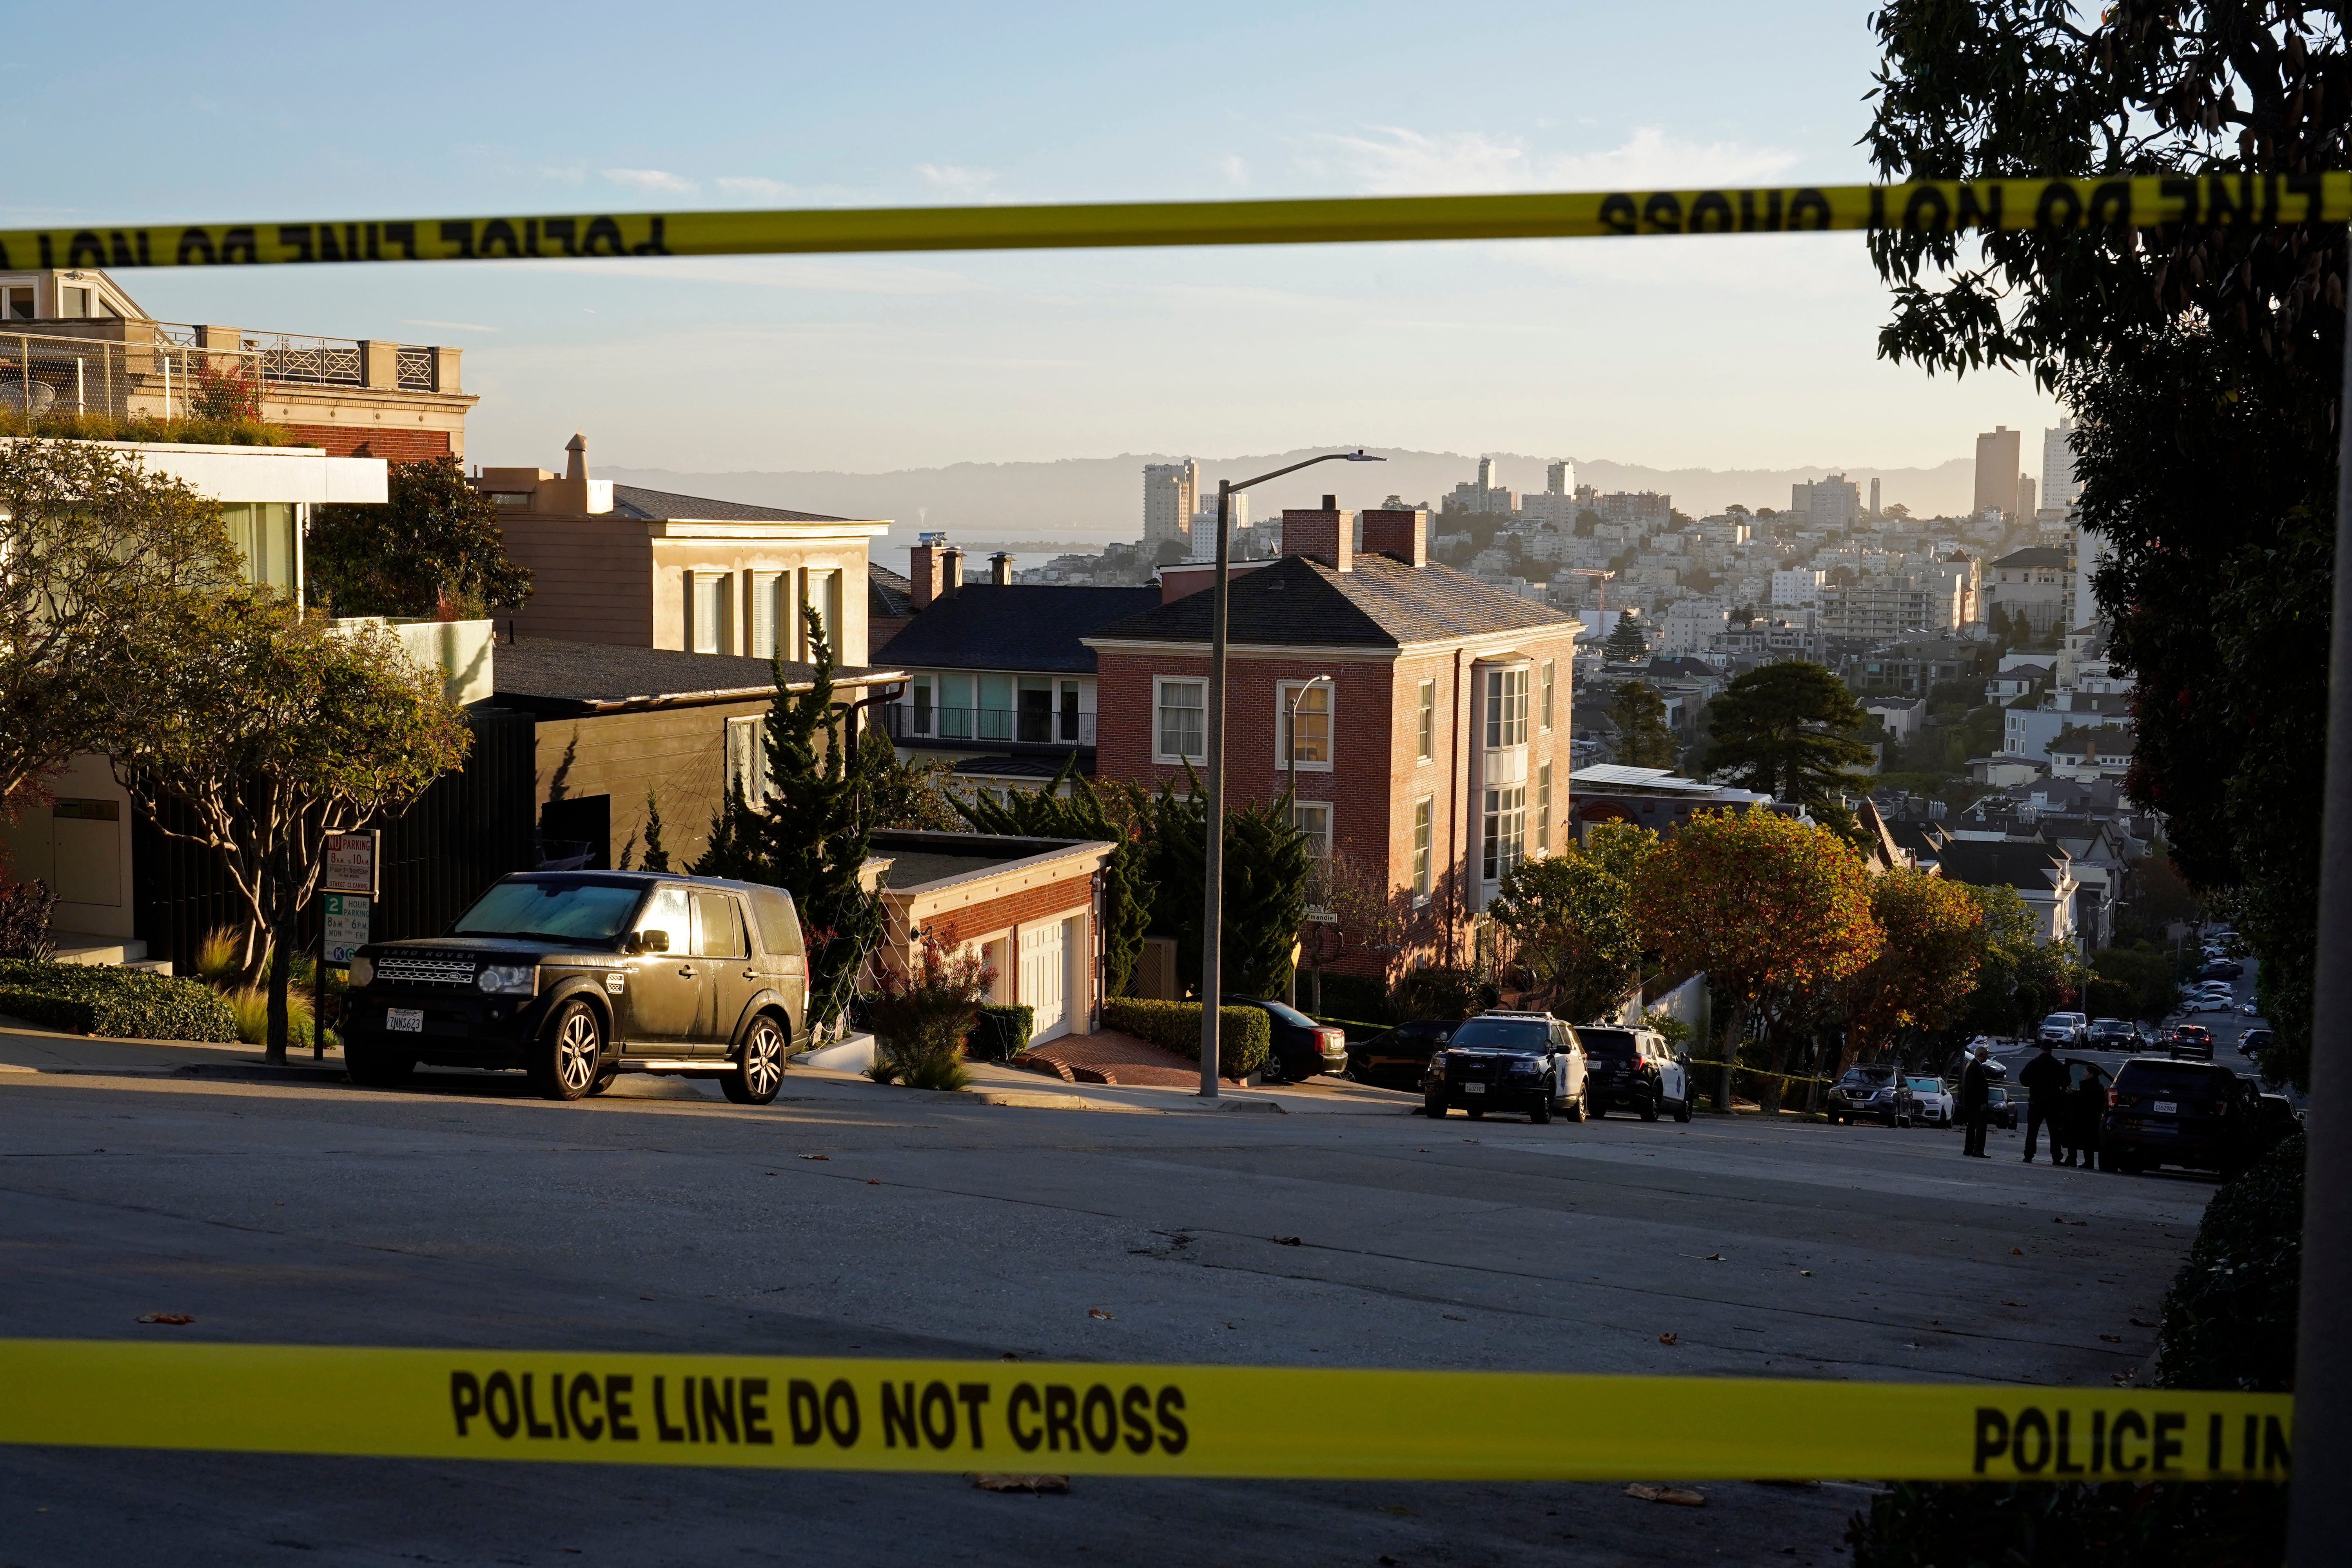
[(1774, 909), (1927, 971)]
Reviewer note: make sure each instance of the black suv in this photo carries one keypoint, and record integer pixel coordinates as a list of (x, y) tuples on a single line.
[(575, 976), (1527, 1062), (1875, 1092), (1634, 1069), (2163, 1113)]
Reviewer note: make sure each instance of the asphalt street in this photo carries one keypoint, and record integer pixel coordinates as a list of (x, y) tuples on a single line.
[(661, 1218)]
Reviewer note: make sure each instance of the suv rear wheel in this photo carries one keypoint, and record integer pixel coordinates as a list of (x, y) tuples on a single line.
[(1580, 1108), (758, 1069), (1648, 1106), (565, 1062)]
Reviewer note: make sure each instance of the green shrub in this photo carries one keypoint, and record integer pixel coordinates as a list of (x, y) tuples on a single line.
[(1245, 1039), (249, 1005), (1352, 996), (128, 1003), (226, 431), (2229, 1322), (921, 1017), (1002, 1031), (1440, 993), (25, 909)]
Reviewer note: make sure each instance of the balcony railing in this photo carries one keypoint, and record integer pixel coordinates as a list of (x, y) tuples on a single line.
[(988, 726), (162, 369)]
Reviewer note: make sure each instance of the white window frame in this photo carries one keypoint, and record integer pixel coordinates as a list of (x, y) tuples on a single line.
[(769, 594), (1543, 809), (1425, 722), (1503, 830), (1159, 685), (1506, 706), (708, 633), (1312, 818), (746, 755), (1547, 682), (1424, 843), (1285, 693)]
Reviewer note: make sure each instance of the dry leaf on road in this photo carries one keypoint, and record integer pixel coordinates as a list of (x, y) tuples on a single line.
[(1670, 1339), (1682, 1497), (1097, 1312), (992, 1482), (175, 1318)]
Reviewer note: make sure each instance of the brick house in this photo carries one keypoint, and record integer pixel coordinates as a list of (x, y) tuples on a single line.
[(1432, 758)]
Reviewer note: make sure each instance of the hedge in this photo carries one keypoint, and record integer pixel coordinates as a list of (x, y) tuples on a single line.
[(2229, 1322), (1245, 1037), (1349, 995), (128, 1003), (1001, 1030)]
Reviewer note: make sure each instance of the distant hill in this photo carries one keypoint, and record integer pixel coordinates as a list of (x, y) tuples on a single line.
[(1086, 502)]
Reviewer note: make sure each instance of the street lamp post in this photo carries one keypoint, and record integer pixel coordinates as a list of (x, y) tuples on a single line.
[(1212, 894)]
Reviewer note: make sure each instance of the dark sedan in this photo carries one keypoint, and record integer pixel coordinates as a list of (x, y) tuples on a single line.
[(1396, 1058), (1302, 1048)]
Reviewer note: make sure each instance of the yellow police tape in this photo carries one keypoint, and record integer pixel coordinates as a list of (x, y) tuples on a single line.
[(1925, 206), (1270, 1422)]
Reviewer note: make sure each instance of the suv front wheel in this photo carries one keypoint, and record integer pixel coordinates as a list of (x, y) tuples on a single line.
[(569, 1056), (758, 1068)]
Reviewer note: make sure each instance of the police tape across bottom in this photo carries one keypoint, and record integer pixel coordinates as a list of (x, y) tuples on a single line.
[(1264, 1422)]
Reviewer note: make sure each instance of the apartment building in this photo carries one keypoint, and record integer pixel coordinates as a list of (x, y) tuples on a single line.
[(2037, 583), (1423, 714), (1172, 495), (621, 564)]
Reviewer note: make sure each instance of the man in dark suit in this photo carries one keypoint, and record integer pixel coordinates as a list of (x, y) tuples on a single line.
[(1975, 1082), (2045, 1083)]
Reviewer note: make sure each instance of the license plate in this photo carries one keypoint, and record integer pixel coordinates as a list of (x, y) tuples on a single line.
[(403, 1020), (2168, 1107), (1473, 1089)]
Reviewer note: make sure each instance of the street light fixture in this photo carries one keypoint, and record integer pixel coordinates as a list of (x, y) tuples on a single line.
[(1213, 900)]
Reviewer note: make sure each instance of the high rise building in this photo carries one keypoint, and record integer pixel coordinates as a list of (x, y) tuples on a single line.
[(1829, 503), (1874, 498), (2059, 488), (2025, 495), (1486, 480), (1171, 494), (1205, 516), (1996, 471), (1560, 477)]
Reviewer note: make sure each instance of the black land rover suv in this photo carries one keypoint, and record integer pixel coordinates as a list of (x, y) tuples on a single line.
[(1527, 1062), (576, 976)]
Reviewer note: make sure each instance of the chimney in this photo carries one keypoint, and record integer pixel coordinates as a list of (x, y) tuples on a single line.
[(1329, 535), (923, 568), (575, 466), (575, 492), (951, 569), (1401, 536), (999, 569)]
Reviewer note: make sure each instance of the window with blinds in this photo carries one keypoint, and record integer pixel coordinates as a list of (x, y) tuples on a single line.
[(710, 611), (769, 611)]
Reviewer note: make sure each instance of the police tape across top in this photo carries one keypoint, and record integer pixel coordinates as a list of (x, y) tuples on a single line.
[(1079, 1417), (1933, 206)]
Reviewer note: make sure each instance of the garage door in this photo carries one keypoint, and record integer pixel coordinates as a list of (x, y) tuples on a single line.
[(1044, 981)]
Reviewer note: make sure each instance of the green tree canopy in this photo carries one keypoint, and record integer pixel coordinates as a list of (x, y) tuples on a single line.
[(2202, 361), (275, 731), (1071, 808), (1785, 729), (106, 570), (1571, 916), (434, 548), (1626, 644), (1268, 867), (1644, 740)]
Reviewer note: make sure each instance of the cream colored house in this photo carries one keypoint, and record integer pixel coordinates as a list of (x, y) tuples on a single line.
[(620, 563)]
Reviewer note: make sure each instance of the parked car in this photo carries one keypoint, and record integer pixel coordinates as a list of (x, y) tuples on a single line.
[(2063, 1029), (1527, 1062), (2000, 1111), (2190, 1114), (1872, 1093), (1935, 1100), (2112, 1035), (2255, 1042), (2190, 1040), (2277, 1118), (1302, 1048), (1396, 1058), (2220, 969), (2210, 1002), (578, 976), (1634, 1069)]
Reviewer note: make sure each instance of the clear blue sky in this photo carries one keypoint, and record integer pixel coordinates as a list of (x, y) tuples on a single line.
[(1718, 353)]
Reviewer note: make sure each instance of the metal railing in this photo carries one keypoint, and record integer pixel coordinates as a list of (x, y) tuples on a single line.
[(161, 369), (987, 726)]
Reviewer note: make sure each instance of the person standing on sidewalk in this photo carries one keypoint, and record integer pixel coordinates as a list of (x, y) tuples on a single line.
[(1976, 1085), (2045, 1084)]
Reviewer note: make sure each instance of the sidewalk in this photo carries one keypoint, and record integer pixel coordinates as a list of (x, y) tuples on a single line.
[(28, 1047)]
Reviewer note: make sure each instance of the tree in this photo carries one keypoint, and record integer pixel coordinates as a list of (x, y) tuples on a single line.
[(1626, 644), (2203, 360), (657, 854), (1774, 909), (1785, 729), (104, 567), (1571, 915), (809, 833), (2021, 977), (434, 548), (1745, 615), (1935, 942), (1081, 813), (907, 793), (1644, 740), (274, 731), (1895, 510), (1268, 868)]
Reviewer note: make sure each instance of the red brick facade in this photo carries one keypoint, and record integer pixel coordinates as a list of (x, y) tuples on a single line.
[(367, 441), (1071, 896)]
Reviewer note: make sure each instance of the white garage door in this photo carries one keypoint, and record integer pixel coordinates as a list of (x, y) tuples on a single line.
[(1044, 981)]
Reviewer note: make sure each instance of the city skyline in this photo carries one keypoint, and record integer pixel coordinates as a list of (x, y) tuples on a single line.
[(1738, 352)]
